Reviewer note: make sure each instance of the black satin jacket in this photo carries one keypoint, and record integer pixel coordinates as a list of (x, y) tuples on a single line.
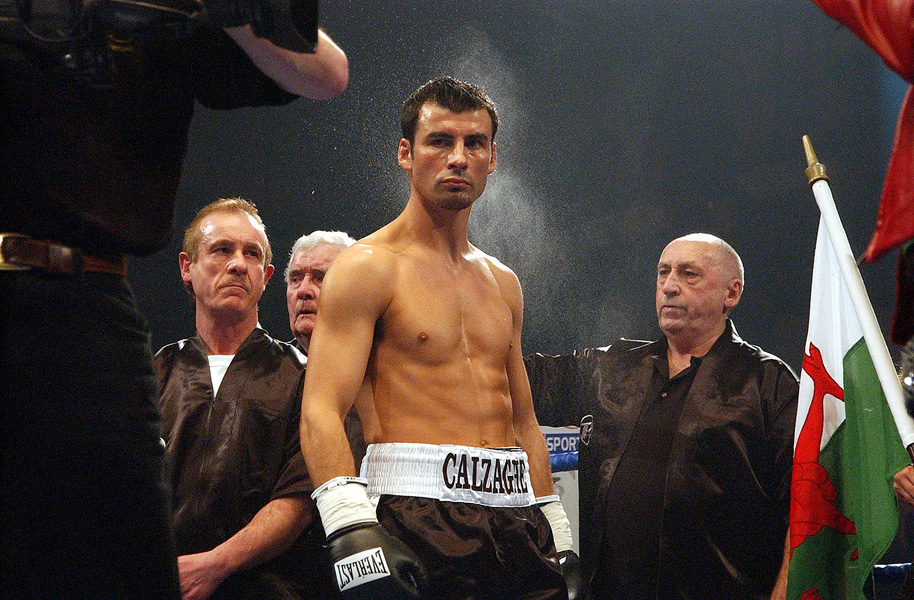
[(228, 456), (727, 497)]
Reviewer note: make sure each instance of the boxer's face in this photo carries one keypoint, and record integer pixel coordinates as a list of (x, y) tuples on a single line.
[(693, 292), (303, 289), (451, 157), (228, 274)]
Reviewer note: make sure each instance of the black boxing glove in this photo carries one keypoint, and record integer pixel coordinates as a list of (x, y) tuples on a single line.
[(573, 572), (572, 569), (371, 564), (368, 563)]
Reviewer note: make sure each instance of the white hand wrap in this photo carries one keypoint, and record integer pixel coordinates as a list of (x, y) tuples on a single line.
[(343, 501), (558, 520)]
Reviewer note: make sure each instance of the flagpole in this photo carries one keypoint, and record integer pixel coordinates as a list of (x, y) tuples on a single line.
[(872, 334)]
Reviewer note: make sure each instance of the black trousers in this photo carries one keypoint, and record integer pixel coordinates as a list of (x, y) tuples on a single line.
[(83, 506)]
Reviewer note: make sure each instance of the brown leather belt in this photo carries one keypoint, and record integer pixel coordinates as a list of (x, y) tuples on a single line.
[(19, 252)]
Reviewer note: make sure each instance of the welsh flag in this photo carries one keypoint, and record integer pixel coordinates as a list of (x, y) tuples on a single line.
[(843, 513)]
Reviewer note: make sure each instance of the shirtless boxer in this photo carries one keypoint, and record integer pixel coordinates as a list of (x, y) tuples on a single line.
[(457, 462)]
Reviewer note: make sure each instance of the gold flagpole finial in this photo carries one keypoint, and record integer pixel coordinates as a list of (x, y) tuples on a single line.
[(814, 170)]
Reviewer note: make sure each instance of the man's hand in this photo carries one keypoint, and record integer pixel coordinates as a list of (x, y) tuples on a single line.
[(200, 575), (904, 484), (572, 569)]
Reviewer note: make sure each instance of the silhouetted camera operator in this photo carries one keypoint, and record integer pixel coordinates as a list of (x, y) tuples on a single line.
[(95, 104)]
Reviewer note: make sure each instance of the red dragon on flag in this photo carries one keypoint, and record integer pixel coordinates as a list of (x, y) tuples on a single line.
[(813, 495), (843, 514)]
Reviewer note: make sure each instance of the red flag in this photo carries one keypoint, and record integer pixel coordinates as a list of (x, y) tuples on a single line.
[(887, 26)]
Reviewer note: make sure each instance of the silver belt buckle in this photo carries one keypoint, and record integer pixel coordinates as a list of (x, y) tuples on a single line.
[(5, 264)]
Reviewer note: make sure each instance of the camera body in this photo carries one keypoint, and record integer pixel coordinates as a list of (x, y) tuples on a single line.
[(50, 22), (80, 38), (81, 33)]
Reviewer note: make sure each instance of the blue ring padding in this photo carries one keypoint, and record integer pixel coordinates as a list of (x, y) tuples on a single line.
[(563, 461)]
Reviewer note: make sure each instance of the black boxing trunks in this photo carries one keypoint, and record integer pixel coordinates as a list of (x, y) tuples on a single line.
[(470, 515)]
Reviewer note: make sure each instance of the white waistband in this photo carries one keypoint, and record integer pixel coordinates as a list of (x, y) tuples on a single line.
[(449, 473)]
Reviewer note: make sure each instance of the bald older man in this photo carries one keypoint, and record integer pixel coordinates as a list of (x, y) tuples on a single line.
[(686, 442)]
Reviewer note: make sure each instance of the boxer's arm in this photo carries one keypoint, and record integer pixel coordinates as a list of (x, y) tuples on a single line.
[(356, 291), (320, 75), (354, 294), (530, 439), (526, 428), (527, 431)]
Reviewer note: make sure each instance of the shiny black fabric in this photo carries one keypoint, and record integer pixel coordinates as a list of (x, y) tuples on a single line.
[(97, 165), (477, 552), (228, 456), (352, 425), (727, 495), (636, 493)]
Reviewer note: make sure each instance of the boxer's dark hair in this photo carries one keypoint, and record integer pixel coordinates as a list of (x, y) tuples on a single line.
[(455, 95)]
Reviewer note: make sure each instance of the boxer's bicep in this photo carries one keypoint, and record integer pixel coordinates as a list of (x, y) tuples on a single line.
[(352, 299)]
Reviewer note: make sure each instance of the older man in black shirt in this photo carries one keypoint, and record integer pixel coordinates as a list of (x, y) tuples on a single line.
[(686, 446)]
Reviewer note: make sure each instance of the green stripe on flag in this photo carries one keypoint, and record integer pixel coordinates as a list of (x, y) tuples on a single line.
[(873, 454), (861, 459)]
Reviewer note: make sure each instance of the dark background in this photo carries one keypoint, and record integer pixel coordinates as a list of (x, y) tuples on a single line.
[(624, 125)]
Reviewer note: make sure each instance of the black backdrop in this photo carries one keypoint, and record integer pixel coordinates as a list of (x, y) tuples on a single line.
[(624, 125)]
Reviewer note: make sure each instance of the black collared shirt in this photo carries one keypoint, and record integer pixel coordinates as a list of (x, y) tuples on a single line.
[(627, 564)]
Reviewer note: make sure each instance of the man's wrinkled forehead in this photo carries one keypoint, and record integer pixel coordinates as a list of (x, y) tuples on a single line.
[(681, 253), (221, 220), (316, 258), (216, 228), (318, 254)]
